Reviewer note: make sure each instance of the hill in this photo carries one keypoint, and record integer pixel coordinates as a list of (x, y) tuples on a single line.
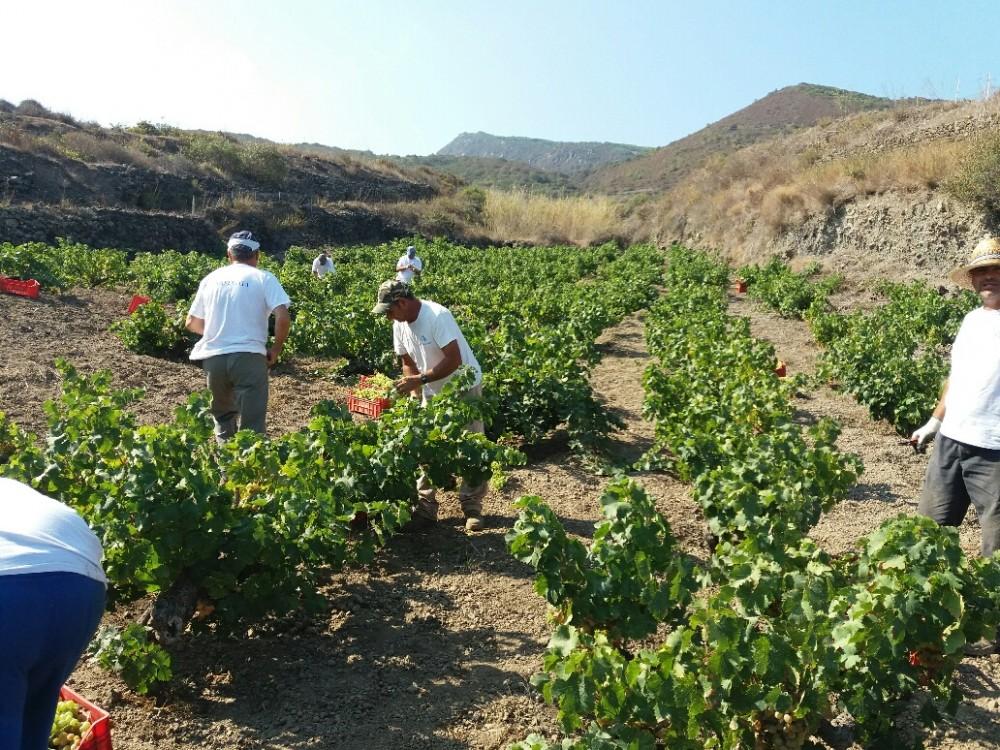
[(501, 174), (551, 156), (53, 166), (900, 193), (779, 113)]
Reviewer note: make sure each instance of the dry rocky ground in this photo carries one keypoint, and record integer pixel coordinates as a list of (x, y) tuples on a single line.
[(433, 645)]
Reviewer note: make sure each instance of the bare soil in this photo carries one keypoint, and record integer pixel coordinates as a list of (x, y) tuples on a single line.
[(432, 646)]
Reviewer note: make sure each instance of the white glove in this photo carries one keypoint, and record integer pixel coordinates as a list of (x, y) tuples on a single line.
[(926, 433)]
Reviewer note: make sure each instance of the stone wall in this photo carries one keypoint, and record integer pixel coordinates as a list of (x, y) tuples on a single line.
[(108, 227), (307, 226)]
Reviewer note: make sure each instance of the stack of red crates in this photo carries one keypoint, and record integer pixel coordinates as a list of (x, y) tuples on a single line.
[(99, 736), (368, 407)]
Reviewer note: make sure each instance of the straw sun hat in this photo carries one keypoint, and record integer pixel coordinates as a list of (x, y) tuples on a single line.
[(986, 253)]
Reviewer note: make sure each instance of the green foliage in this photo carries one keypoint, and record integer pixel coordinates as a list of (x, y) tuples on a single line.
[(132, 654), (779, 485), (893, 359), (789, 293), (151, 329), (904, 622), (532, 315), (258, 161), (630, 579), (169, 275), (976, 180), (64, 264), (20, 458), (264, 163)]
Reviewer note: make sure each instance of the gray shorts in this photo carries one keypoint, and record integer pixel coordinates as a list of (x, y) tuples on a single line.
[(959, 475)]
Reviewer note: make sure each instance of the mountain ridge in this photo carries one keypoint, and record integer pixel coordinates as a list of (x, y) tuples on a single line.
[(552, 156), (778, 113)]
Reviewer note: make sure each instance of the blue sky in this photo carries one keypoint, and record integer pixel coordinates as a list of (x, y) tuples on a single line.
[(406, 77)]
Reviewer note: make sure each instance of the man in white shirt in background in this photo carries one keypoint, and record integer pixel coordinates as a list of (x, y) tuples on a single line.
[(409, 266), (322, 265), (231, 311), (431, 347), (965, 466)]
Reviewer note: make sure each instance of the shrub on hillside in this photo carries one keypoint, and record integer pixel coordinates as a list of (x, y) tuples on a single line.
[(215, 151), (32, 108), (258, 161), (95, 149), (977, 179), (263, 163)]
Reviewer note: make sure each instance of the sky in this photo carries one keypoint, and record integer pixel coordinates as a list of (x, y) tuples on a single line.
[(407, 77)]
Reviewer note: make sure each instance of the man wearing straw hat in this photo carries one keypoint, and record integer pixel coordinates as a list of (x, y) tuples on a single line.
[(965, 466)]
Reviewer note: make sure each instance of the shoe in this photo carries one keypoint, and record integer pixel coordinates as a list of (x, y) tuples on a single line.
[(473, 523)]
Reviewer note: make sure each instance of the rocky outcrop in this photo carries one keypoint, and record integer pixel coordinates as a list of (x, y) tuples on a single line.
[(896, 235), (27, 177)]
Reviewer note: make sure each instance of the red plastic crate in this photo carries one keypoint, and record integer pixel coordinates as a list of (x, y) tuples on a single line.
[(740, 286), (368, 407), (137, 301), (781, 369), (99, 736), (27, 288)]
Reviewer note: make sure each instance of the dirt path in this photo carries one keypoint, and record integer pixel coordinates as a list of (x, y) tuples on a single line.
[(890, 485)]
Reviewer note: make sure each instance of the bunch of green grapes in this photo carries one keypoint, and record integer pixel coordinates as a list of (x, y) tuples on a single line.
[(375, 387), (69, 727)]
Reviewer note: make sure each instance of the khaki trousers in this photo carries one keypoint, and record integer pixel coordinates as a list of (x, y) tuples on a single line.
[(238, 383), (470, 497)]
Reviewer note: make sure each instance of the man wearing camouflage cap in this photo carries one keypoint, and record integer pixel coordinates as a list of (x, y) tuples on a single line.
[(431, 348), (965, 466)]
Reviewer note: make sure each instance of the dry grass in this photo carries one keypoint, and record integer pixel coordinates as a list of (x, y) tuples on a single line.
[(519, 216), (774, 188), (94, 149)]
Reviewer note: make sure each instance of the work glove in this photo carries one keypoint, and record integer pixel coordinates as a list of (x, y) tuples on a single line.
[(926, 433)]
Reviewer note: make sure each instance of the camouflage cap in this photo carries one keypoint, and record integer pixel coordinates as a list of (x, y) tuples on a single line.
[(389, 292)]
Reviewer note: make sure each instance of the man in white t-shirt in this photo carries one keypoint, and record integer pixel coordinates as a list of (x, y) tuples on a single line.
[(965, 466), (231, 311), (322, 265), (409, 266), (431, 348)]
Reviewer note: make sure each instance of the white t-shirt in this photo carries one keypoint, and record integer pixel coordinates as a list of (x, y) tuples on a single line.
[(972, 404), (42, 535), (407, 275), (322, 269), (425, 337), (235, 302)]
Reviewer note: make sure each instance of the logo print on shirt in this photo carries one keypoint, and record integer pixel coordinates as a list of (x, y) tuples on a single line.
[(424, 340)]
